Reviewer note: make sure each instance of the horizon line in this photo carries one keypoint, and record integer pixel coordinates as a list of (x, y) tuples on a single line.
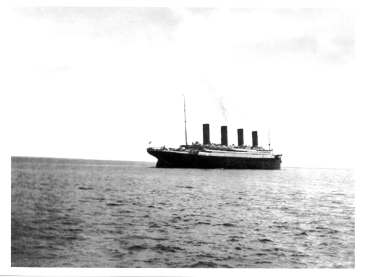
[(113, 160)]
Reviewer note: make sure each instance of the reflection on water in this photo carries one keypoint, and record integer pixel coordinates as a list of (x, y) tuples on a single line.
[(75, 213)]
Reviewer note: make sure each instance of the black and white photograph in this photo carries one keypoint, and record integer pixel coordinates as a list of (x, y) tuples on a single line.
[(179, 137)]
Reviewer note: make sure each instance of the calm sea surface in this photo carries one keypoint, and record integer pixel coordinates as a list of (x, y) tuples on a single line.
[(82, 213)]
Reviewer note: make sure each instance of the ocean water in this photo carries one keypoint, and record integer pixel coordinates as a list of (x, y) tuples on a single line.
[(82, 213)]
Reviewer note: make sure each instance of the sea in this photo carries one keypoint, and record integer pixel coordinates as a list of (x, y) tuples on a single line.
[(121, 214)]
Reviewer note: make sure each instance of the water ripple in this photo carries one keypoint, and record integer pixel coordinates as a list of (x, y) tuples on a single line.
[(126, 214)]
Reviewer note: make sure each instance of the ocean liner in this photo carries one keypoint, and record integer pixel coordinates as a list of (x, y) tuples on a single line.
[(211, 155)]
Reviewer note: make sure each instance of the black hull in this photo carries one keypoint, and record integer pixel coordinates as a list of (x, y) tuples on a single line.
[(168, 159)]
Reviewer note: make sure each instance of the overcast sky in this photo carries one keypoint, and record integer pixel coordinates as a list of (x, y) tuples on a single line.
[(101, 83)]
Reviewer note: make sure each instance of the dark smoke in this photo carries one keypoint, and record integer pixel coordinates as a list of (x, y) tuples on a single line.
[(220, 105), (219, 101)]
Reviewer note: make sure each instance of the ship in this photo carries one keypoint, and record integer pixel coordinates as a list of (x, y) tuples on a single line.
[(210, 155)]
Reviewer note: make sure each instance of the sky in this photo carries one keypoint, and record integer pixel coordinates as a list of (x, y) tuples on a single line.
[(101, 83)]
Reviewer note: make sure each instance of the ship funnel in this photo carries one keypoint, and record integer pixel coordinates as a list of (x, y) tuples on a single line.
[(224, 135), (240, 137), (206, 133), (255, 138)]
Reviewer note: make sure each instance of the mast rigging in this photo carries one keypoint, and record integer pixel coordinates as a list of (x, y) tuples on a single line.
[(185, 122)]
